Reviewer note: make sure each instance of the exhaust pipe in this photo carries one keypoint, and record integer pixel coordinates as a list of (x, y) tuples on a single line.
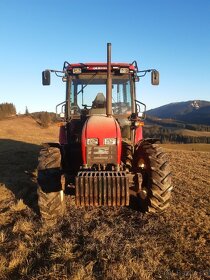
[(109, 83)]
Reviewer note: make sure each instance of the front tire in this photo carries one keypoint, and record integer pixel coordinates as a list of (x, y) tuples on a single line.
[(51, 205), (155, 191), (50, 194)]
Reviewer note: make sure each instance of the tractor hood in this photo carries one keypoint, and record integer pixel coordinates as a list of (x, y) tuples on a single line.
[(101, 141)]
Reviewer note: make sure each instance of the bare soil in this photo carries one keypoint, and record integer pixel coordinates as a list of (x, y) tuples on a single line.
[(100, 243)]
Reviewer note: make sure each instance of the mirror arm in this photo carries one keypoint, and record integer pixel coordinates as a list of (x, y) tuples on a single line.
[(145, 72), (134, 63), (56, 71), (65, 65)]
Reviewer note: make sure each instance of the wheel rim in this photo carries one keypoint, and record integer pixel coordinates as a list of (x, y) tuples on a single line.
[(143, 169)]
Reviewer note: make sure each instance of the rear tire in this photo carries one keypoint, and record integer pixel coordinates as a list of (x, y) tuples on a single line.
[(151, 162), (50, 194)]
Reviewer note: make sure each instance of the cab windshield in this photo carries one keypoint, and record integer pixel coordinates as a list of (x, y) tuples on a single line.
[(89, 91)]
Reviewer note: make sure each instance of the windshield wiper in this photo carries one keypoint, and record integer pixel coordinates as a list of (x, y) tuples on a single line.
[(87, 83)]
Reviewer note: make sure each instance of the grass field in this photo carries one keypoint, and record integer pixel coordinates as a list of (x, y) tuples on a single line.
[(100, 243)]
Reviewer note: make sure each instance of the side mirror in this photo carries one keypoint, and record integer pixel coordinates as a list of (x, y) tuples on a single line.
[(46, 78), (155, 78), (140, 109)]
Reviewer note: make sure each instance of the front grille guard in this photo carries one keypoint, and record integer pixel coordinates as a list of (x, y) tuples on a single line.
[(102, 188)]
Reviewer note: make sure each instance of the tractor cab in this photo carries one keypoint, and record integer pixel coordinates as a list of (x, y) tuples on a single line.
[(86, 95), (88, 89), (86, 84)]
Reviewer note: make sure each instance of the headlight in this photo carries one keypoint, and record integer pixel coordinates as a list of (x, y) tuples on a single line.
[(77, 70), (139, 123), (92, 141), (110, 141), (124, 70)]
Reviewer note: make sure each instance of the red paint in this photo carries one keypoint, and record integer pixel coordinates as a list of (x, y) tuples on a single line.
[(139, 134), (62, 135), (100, 66), (101, 127)]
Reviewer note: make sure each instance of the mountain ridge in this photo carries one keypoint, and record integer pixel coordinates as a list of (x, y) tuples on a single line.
[(192, 111)]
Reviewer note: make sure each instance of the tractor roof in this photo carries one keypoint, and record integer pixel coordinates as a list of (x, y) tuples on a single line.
[(100, 66)]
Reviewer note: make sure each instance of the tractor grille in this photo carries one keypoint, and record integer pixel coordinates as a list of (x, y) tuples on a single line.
[(97, 188)]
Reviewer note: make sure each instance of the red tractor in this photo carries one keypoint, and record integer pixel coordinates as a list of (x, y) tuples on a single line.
[(102, 158)]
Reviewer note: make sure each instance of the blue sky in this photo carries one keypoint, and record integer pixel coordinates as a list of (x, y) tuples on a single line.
[(171, 36)]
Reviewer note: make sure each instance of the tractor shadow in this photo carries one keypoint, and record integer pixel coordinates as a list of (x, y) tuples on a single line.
[(18, 162)]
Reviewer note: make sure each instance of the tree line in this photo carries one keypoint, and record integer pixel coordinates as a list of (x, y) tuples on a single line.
[(7, 110), (167, 135), (42, 118), (167, 123)]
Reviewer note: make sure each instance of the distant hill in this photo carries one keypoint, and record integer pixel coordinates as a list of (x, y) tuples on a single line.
[(27, 129), (192, 112)]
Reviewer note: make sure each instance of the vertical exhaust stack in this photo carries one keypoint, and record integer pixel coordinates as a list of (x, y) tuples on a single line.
[(109, 83)]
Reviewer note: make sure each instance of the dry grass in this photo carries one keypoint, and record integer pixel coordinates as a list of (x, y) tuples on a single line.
[(188, 147), (16, 129), (102, 243)]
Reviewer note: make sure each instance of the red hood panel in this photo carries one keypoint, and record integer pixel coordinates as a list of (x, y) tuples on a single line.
[(100, 126)]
